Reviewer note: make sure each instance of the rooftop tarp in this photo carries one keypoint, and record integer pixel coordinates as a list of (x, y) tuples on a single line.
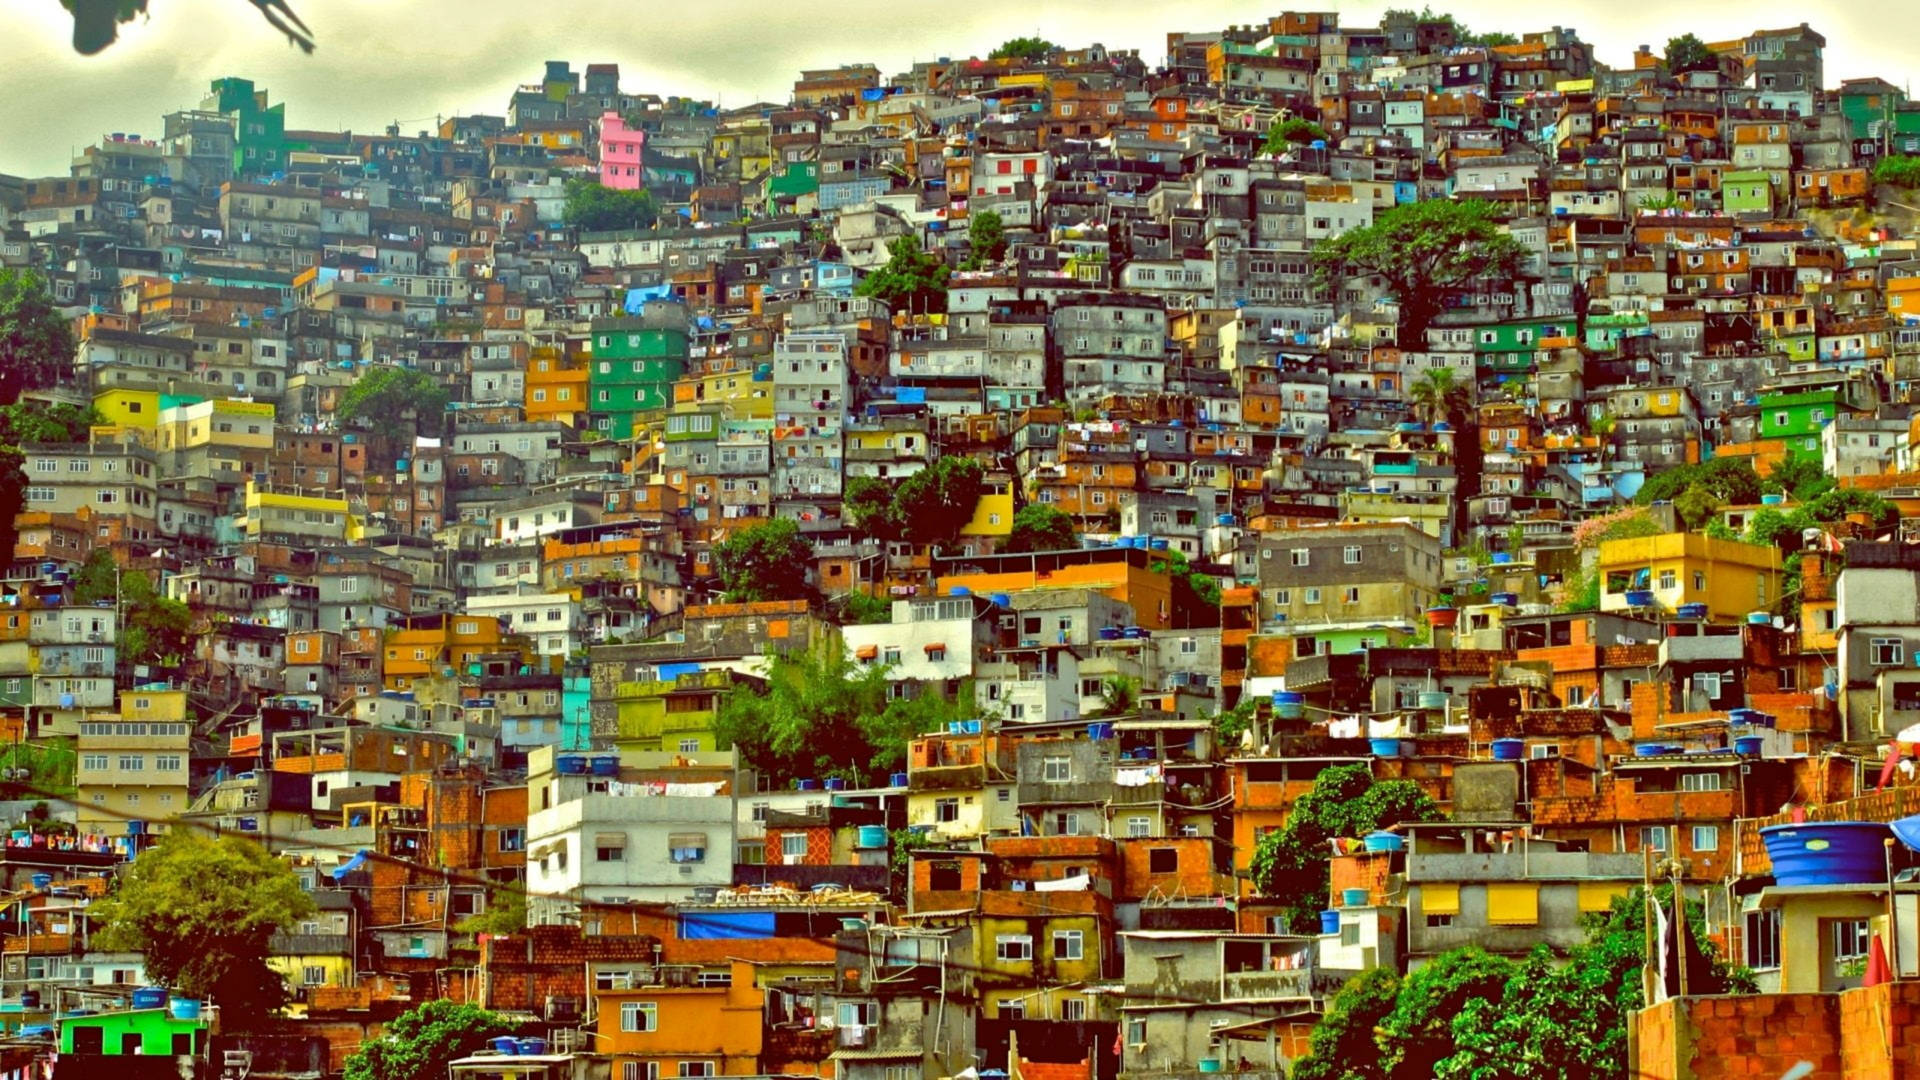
[(725, 925)]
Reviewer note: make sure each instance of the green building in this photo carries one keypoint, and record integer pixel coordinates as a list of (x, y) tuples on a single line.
[(673, 715), (1746, 191), (1506, 351), (1796, 419), (1868, 104), (259, 129), (145, 1032), (1605, 331), (635, 363)]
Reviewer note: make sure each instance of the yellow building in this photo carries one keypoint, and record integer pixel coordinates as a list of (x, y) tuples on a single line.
[(133, 765), (270, 513), (993, 513), (1029, 962), (738, 393), (319, 950), (224, 423), (670, 715), (1731, 577), (128, 408)]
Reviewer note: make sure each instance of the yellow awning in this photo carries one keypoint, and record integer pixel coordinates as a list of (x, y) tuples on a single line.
[(1436, 899), (1512, 903), (1596, 897)]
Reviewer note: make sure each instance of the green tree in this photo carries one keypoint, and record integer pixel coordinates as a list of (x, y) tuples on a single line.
[(153, 628), (505, 913), (201, 911), (1024, 48), (767, 561), (1731, 480), (1688, 53), (22, 423), (934, 504), (422, 1042), (986, 239), (1438, 395), (867, 505), (852, 608), (1291, 134), (1290, 863), (1196, 596), (821, 714), (911, 281), (591, 207), (1418, 1034), (391, 398), (1800, 477), (1696, 506), (36, 343), (1897, 170), (1420, 251), (1343, 1046), (1039, 527)]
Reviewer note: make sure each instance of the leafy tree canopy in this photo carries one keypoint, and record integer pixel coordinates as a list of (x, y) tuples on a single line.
[(1461, 35), (1039, 527), (422, 1042), (153, 628), (1290, 863), (36, 343), (1688, 53), (911, 281), (202, 911), (1420, 251), (591, 207), (822, 714), (1730, 480), (389, 398), (929, 507), (767, 561), (1024, 48), (26, 422), (1897, 170), (1291, 133), (1196, 596), (986, 239)]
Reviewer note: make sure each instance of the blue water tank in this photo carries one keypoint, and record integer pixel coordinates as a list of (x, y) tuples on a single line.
[(1827, 853), (184, 1008), (1749, 745), (1384, 747), (873, 836), (604, 765), (1100, 729), (1289, 704), (835, 783), (1385, 841), (149, 997), (898, 779), (570, 765), (1509, 749), (1502, 558), (1330, 922)]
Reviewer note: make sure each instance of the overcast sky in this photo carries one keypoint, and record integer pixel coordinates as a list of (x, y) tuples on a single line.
[(384, 60)]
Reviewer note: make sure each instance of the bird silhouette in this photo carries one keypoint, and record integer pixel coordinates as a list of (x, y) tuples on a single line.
[(96, 23)]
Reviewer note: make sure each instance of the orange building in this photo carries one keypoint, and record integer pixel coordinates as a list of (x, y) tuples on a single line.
[(1124, 574), (684, 1030), (556, 387), (430, 646)]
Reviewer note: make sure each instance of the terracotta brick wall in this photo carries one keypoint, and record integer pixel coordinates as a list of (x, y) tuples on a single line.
[(1867, 1034)]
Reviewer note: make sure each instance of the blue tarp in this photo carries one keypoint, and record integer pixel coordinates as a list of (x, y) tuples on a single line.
[(636, 298), (670, 672), (348, 867), (911, 395), (726, 925)]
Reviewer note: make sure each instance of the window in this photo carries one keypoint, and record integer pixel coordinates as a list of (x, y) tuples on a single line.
[(93, 762), (611, 847), (1056, 770), (1654, 837), (513, 839), (133, 762), (639, 1070), (1668, 579), (639, 1016), (1013, 947), (697, 1068), (1763, 939), (1851, 938), (1139, 826), (946, 810), (1511, 903), (1886, 652), (1706, 838), (1352, 554), (313, 975), (1301, 556), (1351, 594), (167, 762), (1312, 597), (1700, 781), (1067, 944), (687, 847), (1163, 860)]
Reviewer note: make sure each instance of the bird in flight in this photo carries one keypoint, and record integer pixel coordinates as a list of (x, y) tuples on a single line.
[(96, 23)]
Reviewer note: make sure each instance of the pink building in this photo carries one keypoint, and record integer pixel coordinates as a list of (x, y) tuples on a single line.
[(620, 153)]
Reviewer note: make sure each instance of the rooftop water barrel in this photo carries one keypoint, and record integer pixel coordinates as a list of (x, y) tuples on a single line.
[(184, 1008), (898, 779), (1749, 745), (1384, 747), (1330, 921), (1442, 618), (149, 997), (604, 765), (506, 1044), (1289, 704), (1773, 499), (834, 783), (973, 727), (533, 1046), (959, 590), (1385, 841), (1506, 599), (1691, 611), (1003, 599), (1502, 558), (1158, 543), (873, 836), (1509, 749), (1827, 853), (1639, 597), (1353, 897), (1100, 729), (1434, 699), (41, 881), (1758, 618), (808, 784), (1109, 633), (570, 765)]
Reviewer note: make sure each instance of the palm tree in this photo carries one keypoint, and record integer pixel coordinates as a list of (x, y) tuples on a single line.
[(1119, 696), (1437, 395)]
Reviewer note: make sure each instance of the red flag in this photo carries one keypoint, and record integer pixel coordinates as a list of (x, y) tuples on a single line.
[(1118, 1046), (1877, 969), (1888, 768)]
